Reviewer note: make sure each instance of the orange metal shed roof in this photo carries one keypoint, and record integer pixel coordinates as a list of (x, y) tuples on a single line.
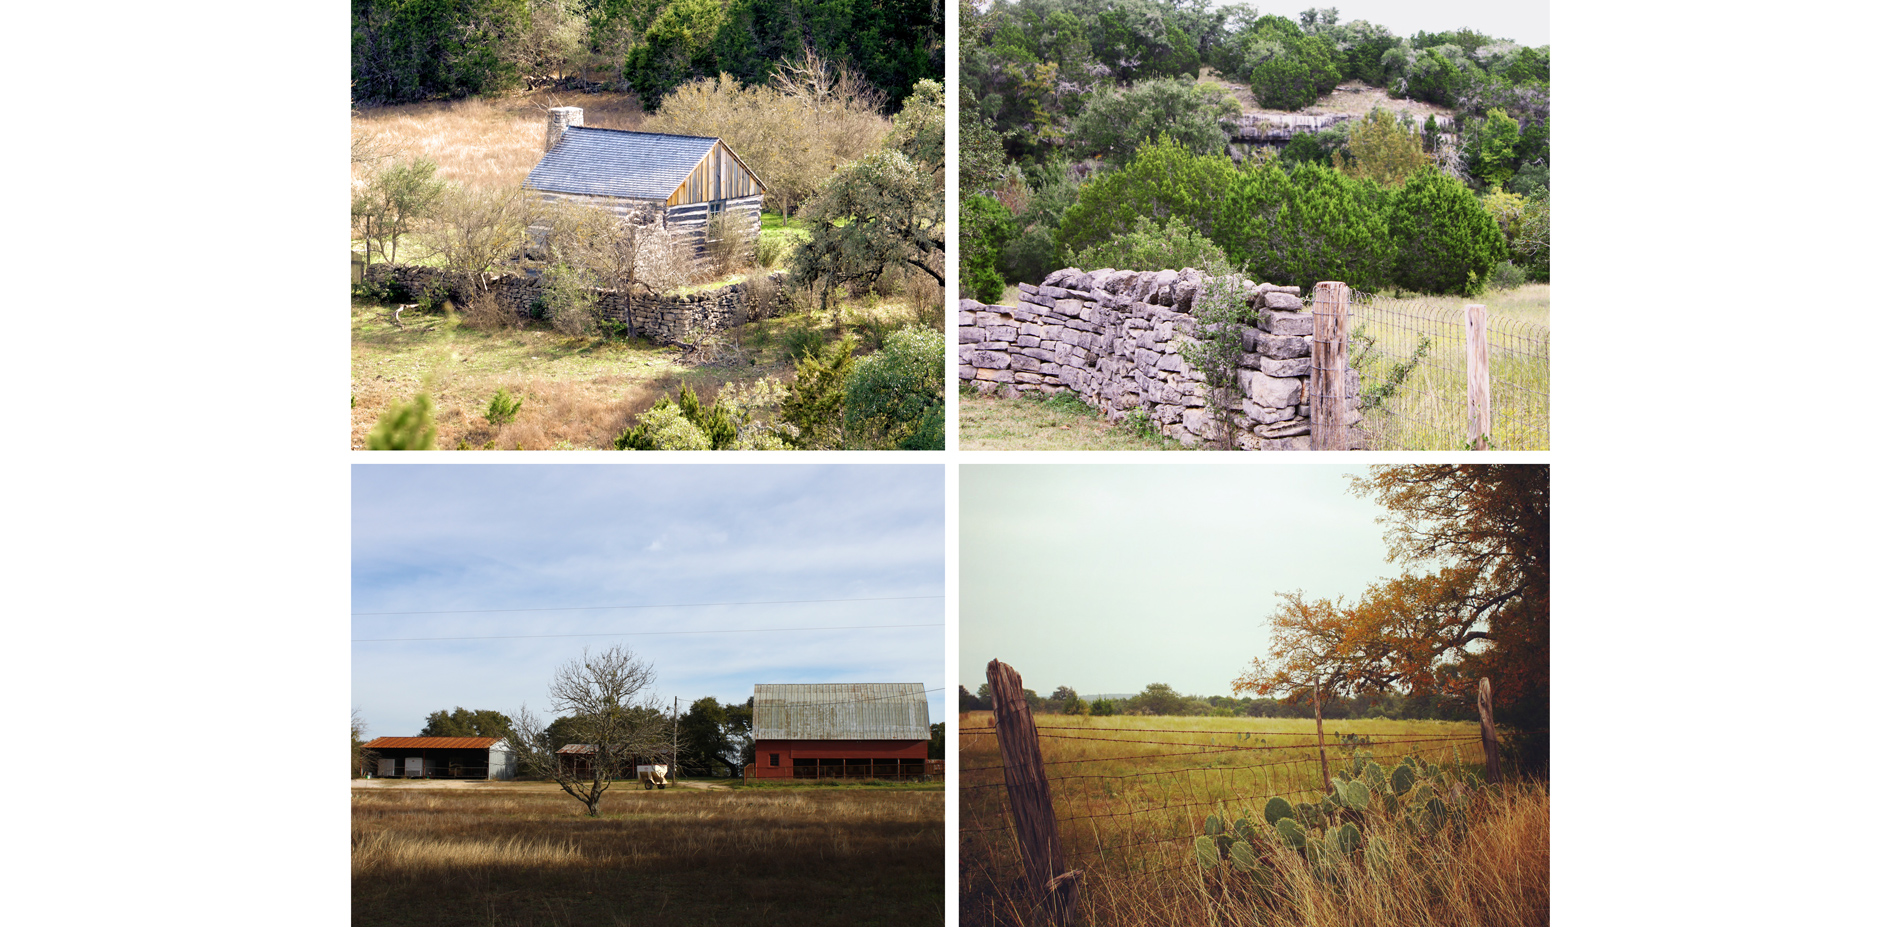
[(443, 743)]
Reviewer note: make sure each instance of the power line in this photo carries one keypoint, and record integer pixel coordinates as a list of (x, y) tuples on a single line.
[(585, 608), (510, 637)]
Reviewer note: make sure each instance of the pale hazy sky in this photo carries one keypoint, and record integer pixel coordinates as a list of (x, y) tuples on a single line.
[(1523, 23), (443, 538), (1106, 578)]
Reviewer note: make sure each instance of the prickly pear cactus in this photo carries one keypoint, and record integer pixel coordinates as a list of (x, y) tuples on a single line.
[(1245, 829), (1241, 854), (1278, 808), (1307, 814), (1356, 796), (1206, 852), (1344, 838), (1214, 826), (1291, 832), (1374, 778), (1402, 778)]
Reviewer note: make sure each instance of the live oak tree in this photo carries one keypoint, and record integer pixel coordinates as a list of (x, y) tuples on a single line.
[(465, 723), (614, 710), (1482, 611)]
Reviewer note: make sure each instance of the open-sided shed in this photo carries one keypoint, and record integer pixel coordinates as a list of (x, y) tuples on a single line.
[(443, 757), (688, 178), (846, 730)]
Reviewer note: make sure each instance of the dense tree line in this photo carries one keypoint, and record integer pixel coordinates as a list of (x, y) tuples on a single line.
[(407, 50), (1160, 699), (1086, 138)]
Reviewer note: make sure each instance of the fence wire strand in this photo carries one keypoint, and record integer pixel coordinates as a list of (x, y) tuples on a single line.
[(1124, 815), (1410, 358)]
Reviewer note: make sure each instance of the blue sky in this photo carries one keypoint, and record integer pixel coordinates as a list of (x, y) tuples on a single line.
[(459, 542), (1106, 578)]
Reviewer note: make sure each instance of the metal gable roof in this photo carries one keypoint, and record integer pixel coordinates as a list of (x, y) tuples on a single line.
[(614, 162), (439, 743), (841, 711)]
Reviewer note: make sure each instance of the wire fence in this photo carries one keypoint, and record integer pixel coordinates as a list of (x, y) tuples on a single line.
[(1133, 799), (1414, 360)]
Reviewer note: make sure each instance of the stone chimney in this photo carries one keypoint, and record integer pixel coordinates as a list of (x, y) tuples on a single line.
[(559, 118)]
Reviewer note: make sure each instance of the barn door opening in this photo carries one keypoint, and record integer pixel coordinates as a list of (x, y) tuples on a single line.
[(412, 767)]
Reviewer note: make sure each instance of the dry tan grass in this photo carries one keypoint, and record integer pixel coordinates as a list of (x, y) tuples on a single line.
[(526, 856), (1132, 835), (486, 143)]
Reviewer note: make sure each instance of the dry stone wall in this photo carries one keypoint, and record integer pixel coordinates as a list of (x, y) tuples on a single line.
[(1114, 338), (661, 319)]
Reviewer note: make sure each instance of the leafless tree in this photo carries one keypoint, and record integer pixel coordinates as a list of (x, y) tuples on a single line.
[(611, 696), (360, 758), (637, 253)]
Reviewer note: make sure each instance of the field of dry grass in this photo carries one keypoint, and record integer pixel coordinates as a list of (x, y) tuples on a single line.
[(1131, 794), (485, 142), (576, 393), (524, 854)]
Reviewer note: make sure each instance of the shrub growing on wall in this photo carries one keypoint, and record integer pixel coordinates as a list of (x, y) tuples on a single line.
[(1444, 240)]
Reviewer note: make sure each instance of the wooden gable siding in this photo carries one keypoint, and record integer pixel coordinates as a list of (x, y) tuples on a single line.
[(720, 175)]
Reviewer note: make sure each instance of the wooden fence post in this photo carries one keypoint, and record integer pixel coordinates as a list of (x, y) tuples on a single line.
[(1491, 771), (1332, 315), (1325, 774), (1477, 377), (1044, 868)]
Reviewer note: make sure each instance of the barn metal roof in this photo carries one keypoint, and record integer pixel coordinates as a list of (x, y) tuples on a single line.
[(841, 711), (439, 743), (615, 162)]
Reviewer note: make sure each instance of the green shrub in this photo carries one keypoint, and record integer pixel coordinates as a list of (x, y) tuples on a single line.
[(1444, 240), (1146, 247), (802, 340), (811, 416), (1222, 316), (1114, 124), (894, 398), (568, 301), (406, 426), (986, 227), (663, 428), (1506, 276), (501, 408)]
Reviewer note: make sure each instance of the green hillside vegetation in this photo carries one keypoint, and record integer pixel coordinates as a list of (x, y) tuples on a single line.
[(1088, 123)]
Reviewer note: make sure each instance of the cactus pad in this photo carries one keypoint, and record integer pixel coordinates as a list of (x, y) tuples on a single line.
[(1291, 832), (1402, 779), (1278, 808), (1206, 853)]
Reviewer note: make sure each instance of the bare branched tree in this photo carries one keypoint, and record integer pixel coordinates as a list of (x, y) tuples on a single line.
[(360, 759), (610, 694), (637, 254)]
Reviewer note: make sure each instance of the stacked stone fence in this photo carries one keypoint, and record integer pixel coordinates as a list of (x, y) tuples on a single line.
[(1114, 338), (660, 319)]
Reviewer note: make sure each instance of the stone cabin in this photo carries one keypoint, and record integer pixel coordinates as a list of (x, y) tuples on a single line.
[(689, 178)]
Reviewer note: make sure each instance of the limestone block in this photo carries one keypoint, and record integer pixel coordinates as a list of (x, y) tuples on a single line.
[(1285, 367), (1281, 347), (1271, 392), (1068, 307), (967, 334), (1290, 323), (1263, 415)]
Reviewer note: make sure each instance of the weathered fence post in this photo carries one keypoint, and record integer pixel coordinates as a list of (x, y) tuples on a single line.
[(1491, 771), (1325, 774), (1477, 377), (1028, 787), (1331, 315)]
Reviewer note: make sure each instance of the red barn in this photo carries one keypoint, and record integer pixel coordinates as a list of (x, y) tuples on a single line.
[(858, 730)]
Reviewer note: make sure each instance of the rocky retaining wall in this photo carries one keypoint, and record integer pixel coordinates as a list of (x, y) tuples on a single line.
[(1114, 338), (661, 319)]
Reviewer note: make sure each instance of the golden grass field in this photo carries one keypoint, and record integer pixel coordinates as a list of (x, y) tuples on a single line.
[(525, 854), (1129, 811), (485, 142)]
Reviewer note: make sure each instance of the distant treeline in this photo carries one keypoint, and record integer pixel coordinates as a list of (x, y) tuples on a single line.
[(1161, 699), (409, 50)]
